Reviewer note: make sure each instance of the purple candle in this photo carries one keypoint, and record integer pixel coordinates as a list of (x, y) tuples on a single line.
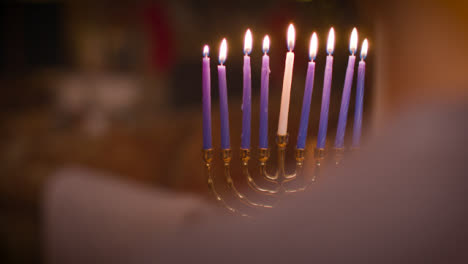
[(309, 86), (206, 99), (263, 142), (223, 102), (322, 135), (340, 133), (247, 93), (360, 96)]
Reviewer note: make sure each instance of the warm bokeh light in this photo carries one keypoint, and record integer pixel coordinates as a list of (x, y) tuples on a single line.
[(206, 51), (313, 46), (266, 44), (291, 37), (353, 41), (331, 42), (365, 46), (248, 42), (223, 51)]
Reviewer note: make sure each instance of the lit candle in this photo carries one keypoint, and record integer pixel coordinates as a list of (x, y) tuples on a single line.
[(247, 93), (206, 99), (360, 96), (340, 133), (223, 102), (263, 142), (287, 80), (309, 86), (322, 135)]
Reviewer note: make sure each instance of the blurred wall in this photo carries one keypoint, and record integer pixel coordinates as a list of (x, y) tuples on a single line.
[(422, 51)]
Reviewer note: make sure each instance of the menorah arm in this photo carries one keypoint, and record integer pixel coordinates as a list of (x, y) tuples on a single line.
[(208, 158), (245, 157), (300, 157), (257, 188), (227, 156), (264, 155), (282, 142), (319, 156), (283, 177), (339, 155)]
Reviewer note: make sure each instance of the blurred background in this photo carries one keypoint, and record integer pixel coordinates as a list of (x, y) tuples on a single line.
[(116, 85)]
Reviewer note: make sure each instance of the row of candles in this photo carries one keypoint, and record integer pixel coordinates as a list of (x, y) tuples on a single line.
[(285, 97)]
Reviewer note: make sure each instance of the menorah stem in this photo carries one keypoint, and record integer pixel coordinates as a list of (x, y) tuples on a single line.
[(282, 142), (283, 177), (319, 156), (208, 158), (227, 156), (339, 155), (264, 155), (300, 157)]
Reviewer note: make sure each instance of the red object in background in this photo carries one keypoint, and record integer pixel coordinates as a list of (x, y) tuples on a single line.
[(161, 37), (279, 18)]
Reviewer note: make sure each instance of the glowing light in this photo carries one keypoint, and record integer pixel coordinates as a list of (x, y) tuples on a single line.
[(331, 42), (353, 41), (266, 44), (248, 42), (206, 51), (291, 37), (223, 51), (313, 46), (365, 46)]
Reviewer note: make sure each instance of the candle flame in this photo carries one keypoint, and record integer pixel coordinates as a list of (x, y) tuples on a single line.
[(266, 44), (206, 51), (313, 46), (353, 41), (248, 42), (365, 46), (223, 51), (331, 42), (291, 37)]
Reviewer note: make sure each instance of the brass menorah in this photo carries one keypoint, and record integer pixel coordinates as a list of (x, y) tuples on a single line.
[(280, 178)]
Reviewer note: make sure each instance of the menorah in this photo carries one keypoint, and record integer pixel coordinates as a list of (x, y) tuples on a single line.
[(279, 178)]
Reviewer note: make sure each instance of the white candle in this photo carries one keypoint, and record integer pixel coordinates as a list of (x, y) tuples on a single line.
[(287, 80)]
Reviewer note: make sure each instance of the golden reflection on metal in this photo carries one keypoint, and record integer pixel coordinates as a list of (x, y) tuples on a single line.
[(280, 179)]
